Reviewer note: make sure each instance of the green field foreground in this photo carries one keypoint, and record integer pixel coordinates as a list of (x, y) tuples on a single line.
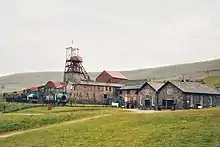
[(191, 128), (40, 116)]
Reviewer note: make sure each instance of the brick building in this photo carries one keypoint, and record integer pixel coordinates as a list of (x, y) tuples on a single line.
[(111, 77), (92, 92), (187, 95)]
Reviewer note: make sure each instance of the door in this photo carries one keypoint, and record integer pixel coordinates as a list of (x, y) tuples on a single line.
[(170, 104), (147, 103), (167, 104)]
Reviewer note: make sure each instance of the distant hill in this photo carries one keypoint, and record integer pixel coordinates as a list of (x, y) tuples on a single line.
[(197, 70)]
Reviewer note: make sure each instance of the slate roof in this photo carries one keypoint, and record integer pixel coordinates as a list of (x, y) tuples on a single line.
[(99, 84), (156, 86), (116, 74), (195, 87), (130, 87), (134, 82)]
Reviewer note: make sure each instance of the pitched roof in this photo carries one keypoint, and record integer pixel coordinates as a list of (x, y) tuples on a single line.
[(195, 87), (134, 82), (156, 86), (116, 74), (55, 84), (98, 84), (33, 89), (131, 87)]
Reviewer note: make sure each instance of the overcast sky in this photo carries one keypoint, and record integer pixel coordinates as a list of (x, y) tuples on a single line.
[(111, 34)]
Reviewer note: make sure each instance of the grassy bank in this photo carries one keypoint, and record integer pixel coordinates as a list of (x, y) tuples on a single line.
[(62, 109), (17, 121), (167, 129), (11, 107)]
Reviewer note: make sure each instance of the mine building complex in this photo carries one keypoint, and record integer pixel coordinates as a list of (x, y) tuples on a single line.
[(140, 94)]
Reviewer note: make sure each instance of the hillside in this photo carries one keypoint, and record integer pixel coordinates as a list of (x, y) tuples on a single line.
[(192, 70)]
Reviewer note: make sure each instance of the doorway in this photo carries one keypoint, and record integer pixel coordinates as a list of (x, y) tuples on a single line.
[(147, 103), (167, 104)]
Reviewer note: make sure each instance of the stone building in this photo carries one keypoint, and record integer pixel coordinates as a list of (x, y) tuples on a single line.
[(147, 95), (111, 77), (129, 92), (92, 92), (187, 95)]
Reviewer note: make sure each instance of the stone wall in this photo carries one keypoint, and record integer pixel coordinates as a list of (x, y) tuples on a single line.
[(130, 98), (147, 93), (129, 95), (171, 92), (91, 94), (204, 100), (186, 100)]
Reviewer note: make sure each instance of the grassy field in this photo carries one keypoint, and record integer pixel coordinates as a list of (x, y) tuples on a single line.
[(16, 106), (41, 116), (192, 128)]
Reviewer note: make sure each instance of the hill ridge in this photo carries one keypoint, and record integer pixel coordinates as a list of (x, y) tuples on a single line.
[(196, 70)]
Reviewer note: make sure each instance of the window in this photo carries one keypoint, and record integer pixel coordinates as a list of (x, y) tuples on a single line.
[(105, 96), (110, 88), (201, 101), (211, 101), (191, 102), (128, 91), (106, 88)]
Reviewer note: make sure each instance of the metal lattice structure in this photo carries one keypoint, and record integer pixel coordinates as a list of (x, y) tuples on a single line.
[(74, 71)]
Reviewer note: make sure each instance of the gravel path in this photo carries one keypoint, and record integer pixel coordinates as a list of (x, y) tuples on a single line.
[(143, 111)]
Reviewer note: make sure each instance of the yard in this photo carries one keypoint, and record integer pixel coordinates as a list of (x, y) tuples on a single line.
[(191, 128)]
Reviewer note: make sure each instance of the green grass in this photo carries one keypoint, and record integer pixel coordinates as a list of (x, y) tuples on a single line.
[(212, 80), (16, 106), (61, 109), (88, 105), (180, 128), (17, 121)]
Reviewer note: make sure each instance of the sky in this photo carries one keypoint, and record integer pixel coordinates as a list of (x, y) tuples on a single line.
[(111, 34)]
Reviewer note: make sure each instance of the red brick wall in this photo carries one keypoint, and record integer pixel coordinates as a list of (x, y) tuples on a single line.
[(105, 77)]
